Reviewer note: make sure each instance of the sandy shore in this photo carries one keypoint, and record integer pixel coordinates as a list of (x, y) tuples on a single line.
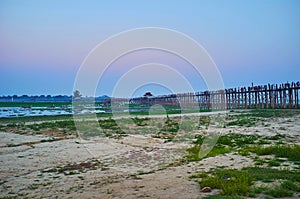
[(135, 166)]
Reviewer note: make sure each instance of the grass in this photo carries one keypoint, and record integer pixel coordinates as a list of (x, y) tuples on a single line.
[(66, 124), (225, 144), (271, 174), (204, 121), (244, 121), (274, 163), (168, 129), (199, 175), (108, 124), (246, 144), (222, 197), (231, 182), (272, 113), (107, 127), (193, 152), (237, 140), (258, 190), (33, 186), (291, 152), (290, 186), (266, 113), (51, 118), (234, 182), (140, 121), (170, 125), (59, 128), (277, 137), (279, 192)]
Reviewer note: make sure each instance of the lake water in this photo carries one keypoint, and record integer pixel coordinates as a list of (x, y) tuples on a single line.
[(10, 112)]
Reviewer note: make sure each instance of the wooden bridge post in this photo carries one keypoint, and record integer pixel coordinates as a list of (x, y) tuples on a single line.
[(249, 97), (280, 96), (227, 98), (262, 97), (290, 96), (297, 85), (285, 96), (276, 96), (238, 98)]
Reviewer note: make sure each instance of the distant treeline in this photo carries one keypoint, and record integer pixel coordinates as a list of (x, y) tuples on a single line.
[(48, 98)]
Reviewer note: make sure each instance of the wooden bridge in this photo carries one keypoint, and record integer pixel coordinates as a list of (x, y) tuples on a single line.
[(267, 96)]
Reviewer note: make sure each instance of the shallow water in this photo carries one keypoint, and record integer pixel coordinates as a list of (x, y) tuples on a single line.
[(10, 112)]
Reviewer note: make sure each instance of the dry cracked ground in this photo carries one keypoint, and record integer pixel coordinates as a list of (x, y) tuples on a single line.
[(146, 158)]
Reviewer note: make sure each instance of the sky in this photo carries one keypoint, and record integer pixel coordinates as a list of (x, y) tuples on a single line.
[(44, 43)]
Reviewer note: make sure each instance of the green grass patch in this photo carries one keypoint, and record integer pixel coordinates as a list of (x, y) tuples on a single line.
[(199, 175), (286, 189), (204, 121), (290, 185), (222, 197), (279, 192), (140, 121), (244, 121), (66, 124), (238, 140), (277, 137), (231, 182), (193, 152), (259, 173), (274, 163), (234, 182), (291, 152), (170, 125), (268, 113)]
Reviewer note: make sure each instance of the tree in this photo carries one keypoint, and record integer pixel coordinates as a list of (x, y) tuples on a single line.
[(76, 95), (148, 94)]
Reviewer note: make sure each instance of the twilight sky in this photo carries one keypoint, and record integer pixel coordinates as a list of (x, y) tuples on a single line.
[(43, 43)]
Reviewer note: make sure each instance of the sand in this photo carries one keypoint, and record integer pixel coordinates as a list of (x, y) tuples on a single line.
[(135, 166)]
